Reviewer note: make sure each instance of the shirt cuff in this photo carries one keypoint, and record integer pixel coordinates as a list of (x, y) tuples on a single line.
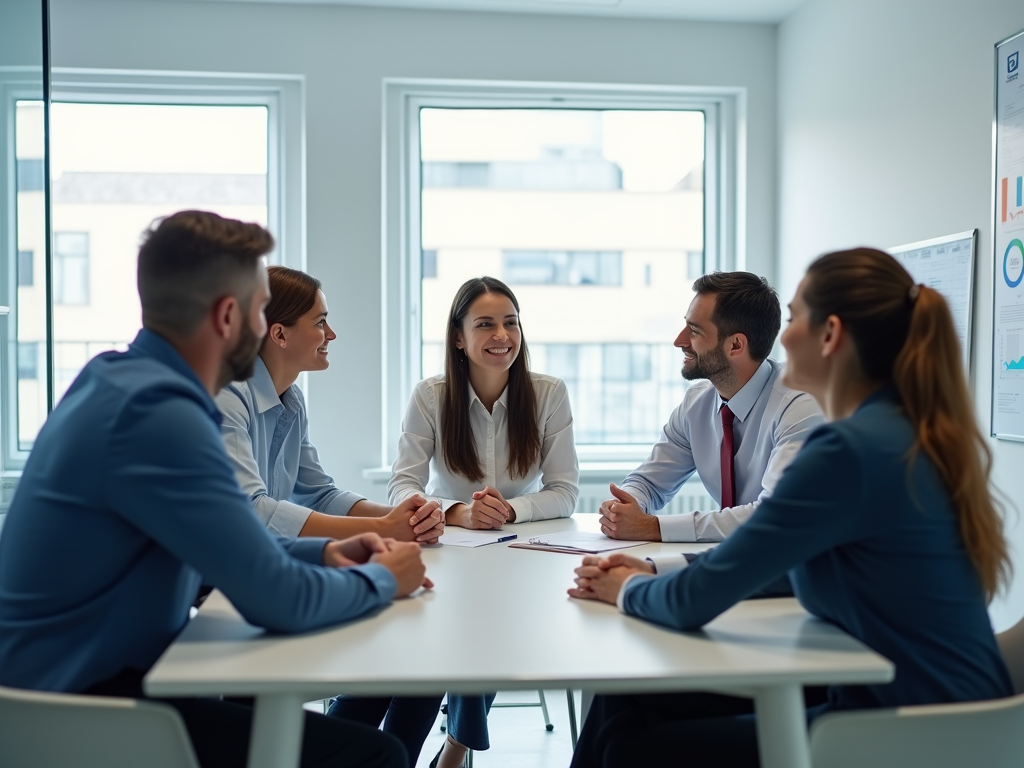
[(678, 527), (381, 579), (631, 580), (309, 550), (523, 508), (446, 504), (342, 504), (668, 563), (288, 518)]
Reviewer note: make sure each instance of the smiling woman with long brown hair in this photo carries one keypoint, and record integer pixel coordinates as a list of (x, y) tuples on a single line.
[(491, 442)]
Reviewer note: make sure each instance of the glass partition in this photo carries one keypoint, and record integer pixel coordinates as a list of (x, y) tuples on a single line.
[(25, 262)]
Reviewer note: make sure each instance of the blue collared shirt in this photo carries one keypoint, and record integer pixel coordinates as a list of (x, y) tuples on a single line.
[(267, 439), (770, 426), (127, 503)]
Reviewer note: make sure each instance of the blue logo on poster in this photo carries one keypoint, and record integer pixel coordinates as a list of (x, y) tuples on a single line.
[(1013, 263), (1011, 62)]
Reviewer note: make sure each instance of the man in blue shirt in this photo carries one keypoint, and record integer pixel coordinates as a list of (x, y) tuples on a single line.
[(128, 503), (731, 325)]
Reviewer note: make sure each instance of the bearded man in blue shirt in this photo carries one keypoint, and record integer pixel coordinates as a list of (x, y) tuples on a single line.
[(129, 490), (738, 427)]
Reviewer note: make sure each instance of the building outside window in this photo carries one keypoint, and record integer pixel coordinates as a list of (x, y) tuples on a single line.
[(71, 268), (26, 268), (116, 167)]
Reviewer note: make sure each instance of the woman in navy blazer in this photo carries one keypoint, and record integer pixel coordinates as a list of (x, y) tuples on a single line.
[(884, 521)]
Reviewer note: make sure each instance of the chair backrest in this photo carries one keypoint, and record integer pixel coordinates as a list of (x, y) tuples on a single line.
[(983, 733), (1011, 643), (55, 730)]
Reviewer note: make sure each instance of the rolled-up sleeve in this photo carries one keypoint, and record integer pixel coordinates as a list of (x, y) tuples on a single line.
[(313, 487), (659, 478), (559, 466)]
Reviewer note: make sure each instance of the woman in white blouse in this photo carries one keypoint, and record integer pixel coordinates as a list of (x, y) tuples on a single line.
[(491, 442)]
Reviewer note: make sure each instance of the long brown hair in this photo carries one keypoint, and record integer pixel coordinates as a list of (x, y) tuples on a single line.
[(292, 294), (904, 335), (456, 431)]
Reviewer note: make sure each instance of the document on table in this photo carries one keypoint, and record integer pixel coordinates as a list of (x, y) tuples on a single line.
[(575, 542), (464, 538)]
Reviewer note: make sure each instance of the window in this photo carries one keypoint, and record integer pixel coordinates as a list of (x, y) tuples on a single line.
[(124, 150), (28, 361), (26, 268), (563, 267), (597, 205), (71, 268)]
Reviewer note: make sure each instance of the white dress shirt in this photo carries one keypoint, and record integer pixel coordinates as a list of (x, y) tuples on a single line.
[(548, 491), (771, 423)]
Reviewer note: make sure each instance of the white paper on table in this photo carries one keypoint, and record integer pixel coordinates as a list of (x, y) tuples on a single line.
[(584, 542), (466, 538)]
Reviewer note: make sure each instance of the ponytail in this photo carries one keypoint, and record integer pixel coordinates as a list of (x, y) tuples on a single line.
[(933, 387), (904, 335)]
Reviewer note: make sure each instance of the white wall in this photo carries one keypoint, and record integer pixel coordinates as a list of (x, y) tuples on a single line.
[(885, 137), (344, 52)]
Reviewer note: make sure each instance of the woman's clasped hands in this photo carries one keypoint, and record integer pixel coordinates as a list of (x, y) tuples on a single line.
[(601, 578), (488, 510)]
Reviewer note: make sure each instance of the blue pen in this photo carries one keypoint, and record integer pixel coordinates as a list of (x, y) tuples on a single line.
[(505, 538)]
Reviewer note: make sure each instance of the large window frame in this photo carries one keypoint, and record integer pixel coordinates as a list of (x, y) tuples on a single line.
[(282, 95), (724, 211)]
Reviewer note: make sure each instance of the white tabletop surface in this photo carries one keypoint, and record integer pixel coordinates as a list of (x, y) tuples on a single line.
[(499, 619)]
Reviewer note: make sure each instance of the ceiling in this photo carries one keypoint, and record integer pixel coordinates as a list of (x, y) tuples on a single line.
[(757, 11)]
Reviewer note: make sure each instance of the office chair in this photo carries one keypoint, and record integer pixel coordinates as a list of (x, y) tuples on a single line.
[(988, 734), (57, 730)]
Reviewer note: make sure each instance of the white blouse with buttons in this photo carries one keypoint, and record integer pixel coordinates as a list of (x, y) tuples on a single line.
[(548, 491)]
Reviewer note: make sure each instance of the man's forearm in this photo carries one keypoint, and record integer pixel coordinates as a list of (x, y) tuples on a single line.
[(335, 527), (367, 508)]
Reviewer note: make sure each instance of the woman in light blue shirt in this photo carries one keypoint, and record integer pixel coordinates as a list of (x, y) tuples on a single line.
[(266, 432)]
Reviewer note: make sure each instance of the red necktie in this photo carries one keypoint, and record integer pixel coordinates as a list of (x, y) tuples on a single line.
[(728, 479)]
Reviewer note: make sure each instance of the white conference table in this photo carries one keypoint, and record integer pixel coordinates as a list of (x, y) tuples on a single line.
[(499, 620)]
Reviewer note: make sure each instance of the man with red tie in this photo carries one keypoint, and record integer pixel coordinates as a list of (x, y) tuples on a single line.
[(737, 426)]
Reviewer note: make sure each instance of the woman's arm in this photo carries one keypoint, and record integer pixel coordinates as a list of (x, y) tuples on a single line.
[(816, 507), (559, 468), (416, 446)]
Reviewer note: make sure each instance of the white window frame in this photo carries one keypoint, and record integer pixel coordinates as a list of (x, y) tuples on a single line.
[(283, 95), (724, 189)]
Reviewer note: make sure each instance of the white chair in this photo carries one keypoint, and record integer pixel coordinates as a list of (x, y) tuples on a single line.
[(983, 734), (56, 730)]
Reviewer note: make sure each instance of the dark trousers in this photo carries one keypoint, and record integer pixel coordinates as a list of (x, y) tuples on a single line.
[(407, 718), (695, 730), (219, 731)]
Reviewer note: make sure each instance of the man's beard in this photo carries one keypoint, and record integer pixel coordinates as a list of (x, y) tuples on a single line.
[(713, 366), (240, 364)]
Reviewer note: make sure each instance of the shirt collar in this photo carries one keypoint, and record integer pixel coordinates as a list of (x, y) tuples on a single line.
[(264, 394), (742, 402), (474, 397), (151, 344)]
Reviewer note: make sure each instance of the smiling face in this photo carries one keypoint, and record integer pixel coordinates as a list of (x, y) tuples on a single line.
[(703, 356), (307, 340), (490, 335), (806, 364)]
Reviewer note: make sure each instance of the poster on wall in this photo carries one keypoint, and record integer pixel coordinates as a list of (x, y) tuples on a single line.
[(946, 264), (1008, 244)]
